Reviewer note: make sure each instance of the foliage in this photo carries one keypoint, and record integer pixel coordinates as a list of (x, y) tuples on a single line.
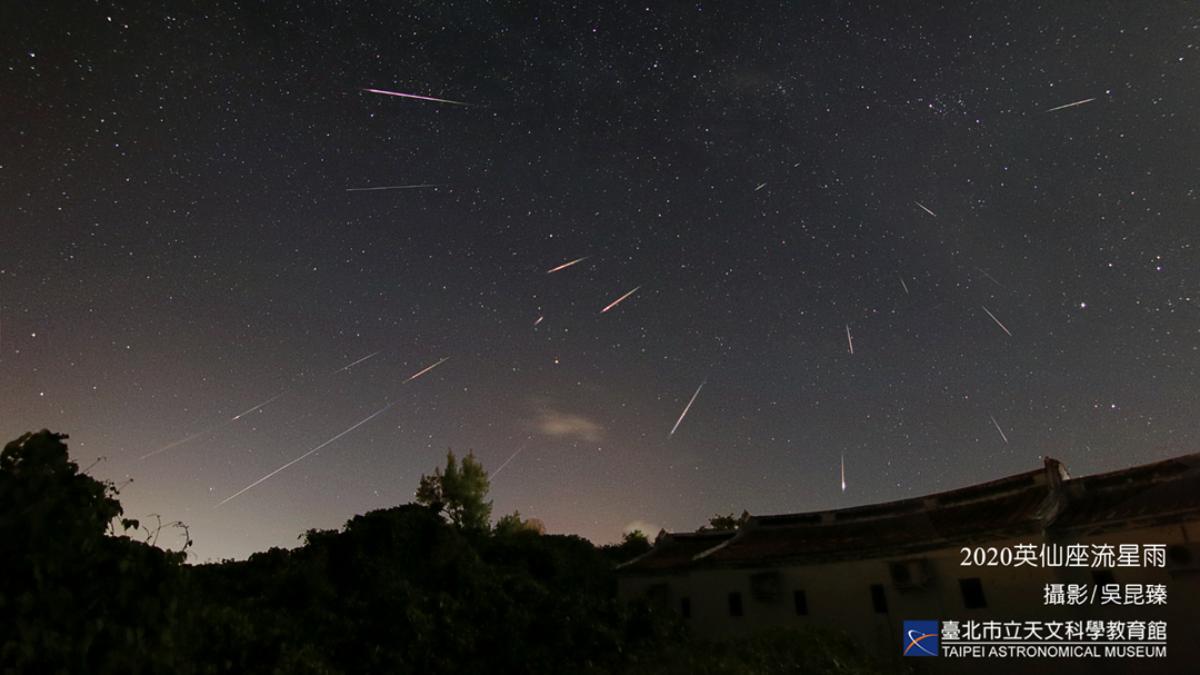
[(458, 492), (72, 598), (419, 588), (727, 522), (632, 545), (513, 524)]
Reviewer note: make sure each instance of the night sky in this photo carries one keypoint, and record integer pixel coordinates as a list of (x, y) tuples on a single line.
[(184, 236)]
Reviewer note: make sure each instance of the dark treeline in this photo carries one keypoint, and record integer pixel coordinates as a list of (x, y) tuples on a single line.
[(411, 589)]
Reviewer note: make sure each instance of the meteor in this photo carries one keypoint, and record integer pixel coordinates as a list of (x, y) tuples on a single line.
[(925, 209), (396, 187), (415, 96), (902, 284), (510, 458), (990, 277), (843, 472), (179, 442), (760, 186), (618, 301), (686, 409), (997, 425), (351, 365), (1070, 105), (260, 405), (1002, 327), (267, 477), (211, 429), (539, 320), (565, 265), (849, 340), (426, 370)]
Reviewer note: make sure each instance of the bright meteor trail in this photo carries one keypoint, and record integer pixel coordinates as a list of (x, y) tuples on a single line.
[(619, 300), (260, 481), (396, 187), (566, 265), (416, 96), (351, 365), (925, 209), (426, 370), (1070, 105), (997, 425), (686, 409), (260, 405), (849, 340), (211, 429), (1002, 327)]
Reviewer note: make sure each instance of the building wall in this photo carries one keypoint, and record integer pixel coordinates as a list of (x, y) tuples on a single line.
[(839, 595)]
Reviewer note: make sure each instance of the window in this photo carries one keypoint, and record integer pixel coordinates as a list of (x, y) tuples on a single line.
[(879, 599), (800, 600), (972, 593), (735, 604), (685, 607)]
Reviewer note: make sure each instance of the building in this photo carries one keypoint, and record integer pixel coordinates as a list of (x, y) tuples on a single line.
[(984, 553)]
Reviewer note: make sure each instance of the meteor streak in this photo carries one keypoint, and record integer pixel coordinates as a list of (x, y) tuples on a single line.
[(539, 320), (1070, 105), (1002, 327), (843, 472), (351, 365), (211, 429), (925, 209), (618, 301), (260, 405), (997, 425), (178, 442), (565, 265), (426, 370), (760, 186), (416, 96), (993, 279), (686, 409), (902, 284), (510, 458), (396, 187), (849, 340), (260, 481)]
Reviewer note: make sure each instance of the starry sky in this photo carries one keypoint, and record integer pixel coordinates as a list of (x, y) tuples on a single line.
[(185, 235)]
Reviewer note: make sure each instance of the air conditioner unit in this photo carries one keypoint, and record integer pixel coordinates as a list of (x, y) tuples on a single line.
[(910, 574)]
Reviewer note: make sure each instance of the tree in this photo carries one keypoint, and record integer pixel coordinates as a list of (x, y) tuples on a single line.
[(458, 492), (727, 522), (73, 598), (513, 523)]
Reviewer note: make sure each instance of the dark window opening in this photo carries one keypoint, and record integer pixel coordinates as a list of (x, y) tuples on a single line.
[(801, 602), (735, 604), (1102, 576), (878, 599), (972, 593), (685, 607)]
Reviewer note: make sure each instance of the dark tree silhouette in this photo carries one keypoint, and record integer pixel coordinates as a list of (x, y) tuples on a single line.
[(459, 492), (72, 598)]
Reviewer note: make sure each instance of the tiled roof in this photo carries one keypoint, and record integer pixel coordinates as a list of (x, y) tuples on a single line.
[(1153, 491), (672, 551), (1024, 504)]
